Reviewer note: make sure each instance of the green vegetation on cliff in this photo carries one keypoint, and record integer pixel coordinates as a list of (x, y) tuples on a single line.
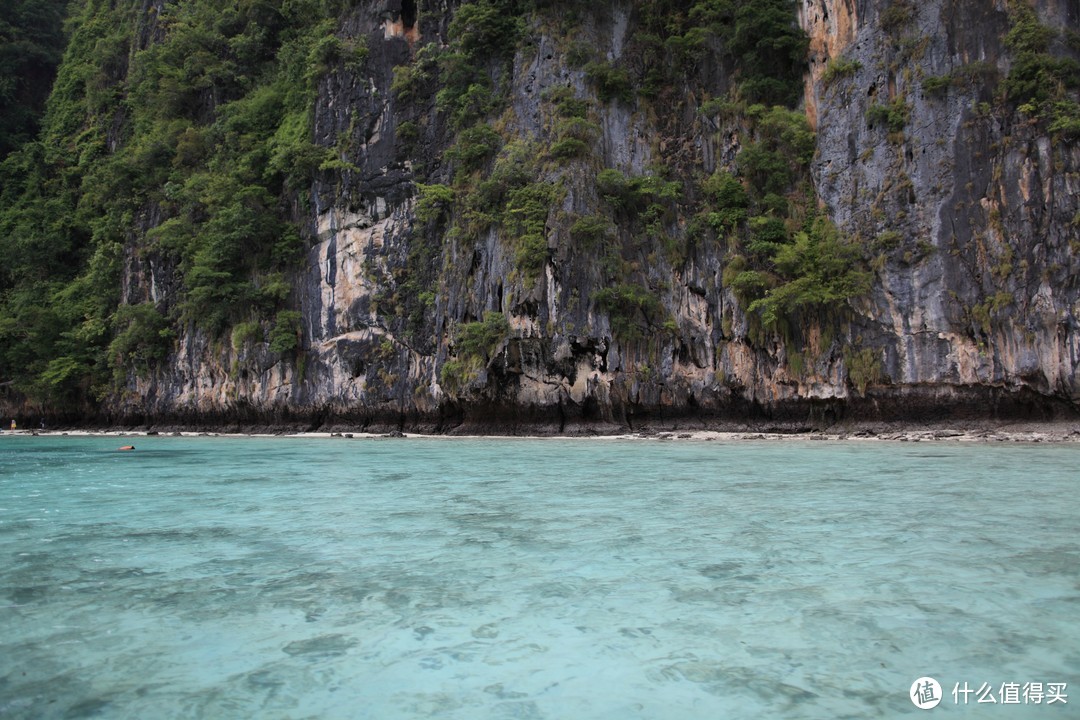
[(188, 151), (643, 171), (182, 144), (1040, 83), (31, 44)]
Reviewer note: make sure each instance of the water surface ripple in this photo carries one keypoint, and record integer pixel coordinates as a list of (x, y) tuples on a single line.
[(472, 579)]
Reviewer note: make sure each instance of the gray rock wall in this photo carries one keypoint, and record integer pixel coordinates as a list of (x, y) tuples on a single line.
[(967, 217), (984, 206)]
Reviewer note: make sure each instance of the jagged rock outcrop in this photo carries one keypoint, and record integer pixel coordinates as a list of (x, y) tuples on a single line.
[(967, 217)]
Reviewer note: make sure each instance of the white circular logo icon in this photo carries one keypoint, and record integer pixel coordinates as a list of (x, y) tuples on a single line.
[(925, 693)]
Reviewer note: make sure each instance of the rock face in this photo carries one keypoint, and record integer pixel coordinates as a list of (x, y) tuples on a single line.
[(986, 207), (967, 217)]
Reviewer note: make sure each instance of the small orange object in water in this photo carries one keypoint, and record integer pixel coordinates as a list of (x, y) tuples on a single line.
[(126, 447)]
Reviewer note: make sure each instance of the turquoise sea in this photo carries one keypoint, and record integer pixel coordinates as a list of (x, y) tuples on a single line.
[(561, 579)]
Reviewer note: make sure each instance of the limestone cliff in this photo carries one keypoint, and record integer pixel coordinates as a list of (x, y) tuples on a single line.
[(965, 211)]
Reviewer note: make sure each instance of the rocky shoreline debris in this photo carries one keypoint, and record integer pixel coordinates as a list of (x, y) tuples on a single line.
[(1026, 433)]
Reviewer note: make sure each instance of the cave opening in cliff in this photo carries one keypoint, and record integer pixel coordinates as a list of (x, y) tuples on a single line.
[(408, 14)]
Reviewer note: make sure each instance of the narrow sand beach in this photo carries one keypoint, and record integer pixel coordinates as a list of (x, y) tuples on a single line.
[(1016, 432)]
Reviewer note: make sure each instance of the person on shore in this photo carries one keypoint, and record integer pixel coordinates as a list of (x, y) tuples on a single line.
[(13, 425)]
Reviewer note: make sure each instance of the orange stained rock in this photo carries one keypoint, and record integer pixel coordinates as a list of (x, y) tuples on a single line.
[(831, 26)]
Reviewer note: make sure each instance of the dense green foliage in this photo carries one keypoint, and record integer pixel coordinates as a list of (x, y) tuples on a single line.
[(896, 15), (789, 264), (433, 201), (864, 367), (31, 43), (760, 41), (817, 269), (591, 231), (893, 116), (840, 67), (729, 201), (285, 335), (634, 310), (474, 344), (142, 339), (612, 82), (203, 139), (770, 49), (1040, 83), (481, 338)]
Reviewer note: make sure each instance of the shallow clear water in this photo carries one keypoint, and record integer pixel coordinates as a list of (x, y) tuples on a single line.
[(453, 578)]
